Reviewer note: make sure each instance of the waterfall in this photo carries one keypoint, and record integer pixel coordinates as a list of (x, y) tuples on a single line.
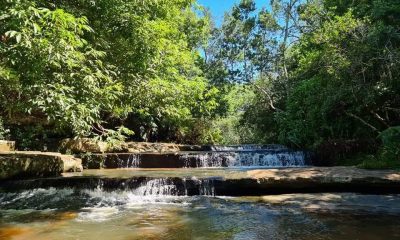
[(151, 189), (208, 159), (207, 187), (279, 157), (133, 161), (157, 187), (167, 187), (241, 156), (283, 159)]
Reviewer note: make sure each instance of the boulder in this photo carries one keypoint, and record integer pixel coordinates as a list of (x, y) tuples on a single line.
[(36, 164), (93, 161), (82, 145), (6, 146)]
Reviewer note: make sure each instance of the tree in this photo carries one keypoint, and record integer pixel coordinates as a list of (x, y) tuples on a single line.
[(49, 73), (154, 48), (137, 64)]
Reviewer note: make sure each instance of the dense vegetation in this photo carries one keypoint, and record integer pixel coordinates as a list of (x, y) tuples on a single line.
[(315, 74)]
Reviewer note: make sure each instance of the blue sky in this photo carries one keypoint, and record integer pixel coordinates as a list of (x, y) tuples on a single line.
[(219, 7)]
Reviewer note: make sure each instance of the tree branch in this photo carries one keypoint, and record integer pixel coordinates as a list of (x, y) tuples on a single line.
[(362, 121), (380, 119), (270, 102)]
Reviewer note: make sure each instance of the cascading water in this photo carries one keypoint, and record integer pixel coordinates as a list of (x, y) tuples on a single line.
[(133, 161), (150, 189), (208, 159), (241, 156), (246, 156), (157, 188), (207, 188), (165, 187)]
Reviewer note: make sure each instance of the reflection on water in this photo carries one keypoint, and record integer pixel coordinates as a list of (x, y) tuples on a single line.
[(96, 214)]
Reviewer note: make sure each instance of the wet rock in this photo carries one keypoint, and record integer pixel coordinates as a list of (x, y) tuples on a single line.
[(129, 160), (36, 164)]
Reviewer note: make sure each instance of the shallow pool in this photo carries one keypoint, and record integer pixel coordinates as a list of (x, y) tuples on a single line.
[(97, 214)]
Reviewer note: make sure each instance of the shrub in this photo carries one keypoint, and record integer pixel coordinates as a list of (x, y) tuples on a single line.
[(388, 155)]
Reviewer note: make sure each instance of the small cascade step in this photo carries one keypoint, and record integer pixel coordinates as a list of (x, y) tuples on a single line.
[(140, 186), (199, 159), (186, 182)]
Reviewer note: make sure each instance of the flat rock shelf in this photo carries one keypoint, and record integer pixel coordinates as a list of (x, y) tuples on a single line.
[(27, 164), (223, 182)]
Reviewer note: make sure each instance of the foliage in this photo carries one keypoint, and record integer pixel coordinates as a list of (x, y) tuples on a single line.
[(69, 84), (324, 71), (372, 162), (302, 73), (391, 144), (347, 97), (390, 136), (389, 154), (85, 68), (232, 128), (3, 131), (115, 138), (153, 46)]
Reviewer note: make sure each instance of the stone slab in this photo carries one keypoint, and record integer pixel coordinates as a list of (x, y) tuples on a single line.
[(26, 164)]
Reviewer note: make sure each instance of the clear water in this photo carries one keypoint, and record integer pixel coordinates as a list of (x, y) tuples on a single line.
[(144, 213)]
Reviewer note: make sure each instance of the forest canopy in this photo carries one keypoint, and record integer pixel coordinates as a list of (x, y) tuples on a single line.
[(306, 73)]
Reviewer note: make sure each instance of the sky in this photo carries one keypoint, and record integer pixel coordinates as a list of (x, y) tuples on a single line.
[(219, 7)]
